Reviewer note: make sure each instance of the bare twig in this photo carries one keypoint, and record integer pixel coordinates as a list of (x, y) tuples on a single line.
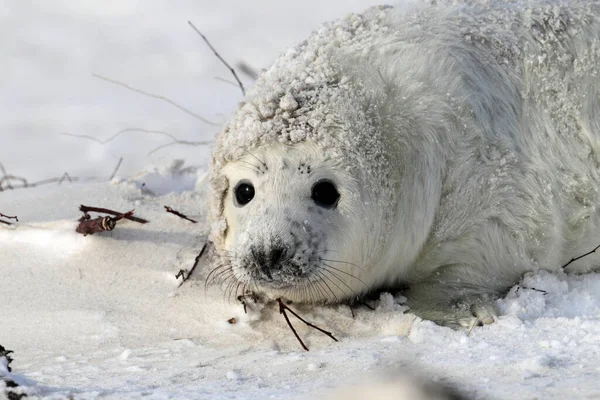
[(87, 209), (219, 57), (7, 178), (581, 256), (116, 169), (282, 310), (155, 96), (184, 142), (184, 274), (88, 226), (4, 178), (180, 215), (127, 130), (544, 292), (65, 176), (7, 217), (248, 70)]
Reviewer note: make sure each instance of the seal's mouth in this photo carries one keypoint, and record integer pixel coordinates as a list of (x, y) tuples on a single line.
[(280, 276)]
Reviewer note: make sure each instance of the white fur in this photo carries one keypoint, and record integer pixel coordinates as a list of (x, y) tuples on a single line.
[(464, 140)]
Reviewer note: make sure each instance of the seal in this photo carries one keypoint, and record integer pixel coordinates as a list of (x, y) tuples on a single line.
[(446, 149)]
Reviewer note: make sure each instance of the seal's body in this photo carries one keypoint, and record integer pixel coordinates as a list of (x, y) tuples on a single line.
[(447, 148)]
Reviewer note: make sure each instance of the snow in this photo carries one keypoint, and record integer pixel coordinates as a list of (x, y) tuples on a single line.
[(103, 316)]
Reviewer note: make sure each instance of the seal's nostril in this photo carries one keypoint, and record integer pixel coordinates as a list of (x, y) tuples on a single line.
[(276, 256)]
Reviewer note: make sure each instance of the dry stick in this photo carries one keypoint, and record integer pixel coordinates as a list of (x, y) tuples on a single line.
[(219, 57), (584, 255), (248, 70), (86, 209), (282, 310), (116, 169), (155, 96), (9, 217), (182, 272), (65, 176), (26, 184), (126, 130), (180, 215), (5, 177), (88, 226)]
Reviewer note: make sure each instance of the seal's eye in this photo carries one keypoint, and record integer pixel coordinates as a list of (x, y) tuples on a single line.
[(244, 193), (325, 194)]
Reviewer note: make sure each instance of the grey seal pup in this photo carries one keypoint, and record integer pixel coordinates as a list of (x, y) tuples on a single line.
[(443, 148)]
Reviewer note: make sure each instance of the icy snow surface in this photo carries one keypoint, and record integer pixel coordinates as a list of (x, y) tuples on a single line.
[(102, 316)]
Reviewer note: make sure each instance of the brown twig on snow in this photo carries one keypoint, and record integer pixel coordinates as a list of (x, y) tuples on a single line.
[(89, 226), (128, 215), (184, 274), (581, 256), (216, 53), (8, 217), (180, 215), (116, 169), (282, 310)]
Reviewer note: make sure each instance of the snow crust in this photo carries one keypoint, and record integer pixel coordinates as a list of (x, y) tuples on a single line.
[(102, 316)]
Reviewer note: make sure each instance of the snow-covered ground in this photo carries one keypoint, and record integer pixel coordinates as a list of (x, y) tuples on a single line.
[(102, 315)]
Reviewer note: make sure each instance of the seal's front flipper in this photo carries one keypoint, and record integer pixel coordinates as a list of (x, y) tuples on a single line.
[(466, 312)]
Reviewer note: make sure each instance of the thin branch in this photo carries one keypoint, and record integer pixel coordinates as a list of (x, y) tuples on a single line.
[(65, 176), (248, 70), (226, 81), (127, 130), (581, 256), (87, 209), (116, 169), (184, 274), (155, 96), (8, 217), (219, 57), (118, 133), (180, 215), (89, 226), (184, 142), (7, 178), (282, 310)]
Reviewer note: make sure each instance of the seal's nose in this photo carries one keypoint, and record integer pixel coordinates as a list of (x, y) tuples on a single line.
[(269, 259)]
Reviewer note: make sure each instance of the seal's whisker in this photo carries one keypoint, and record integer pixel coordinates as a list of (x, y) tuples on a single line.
[(320, 289), (339, 279), (256, 158), (323, 276), (329, 267), (344, 262), (251, 167), (327, 285), (217, 268)]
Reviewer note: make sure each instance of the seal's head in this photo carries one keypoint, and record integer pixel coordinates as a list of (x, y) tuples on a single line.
[(302, 191)]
